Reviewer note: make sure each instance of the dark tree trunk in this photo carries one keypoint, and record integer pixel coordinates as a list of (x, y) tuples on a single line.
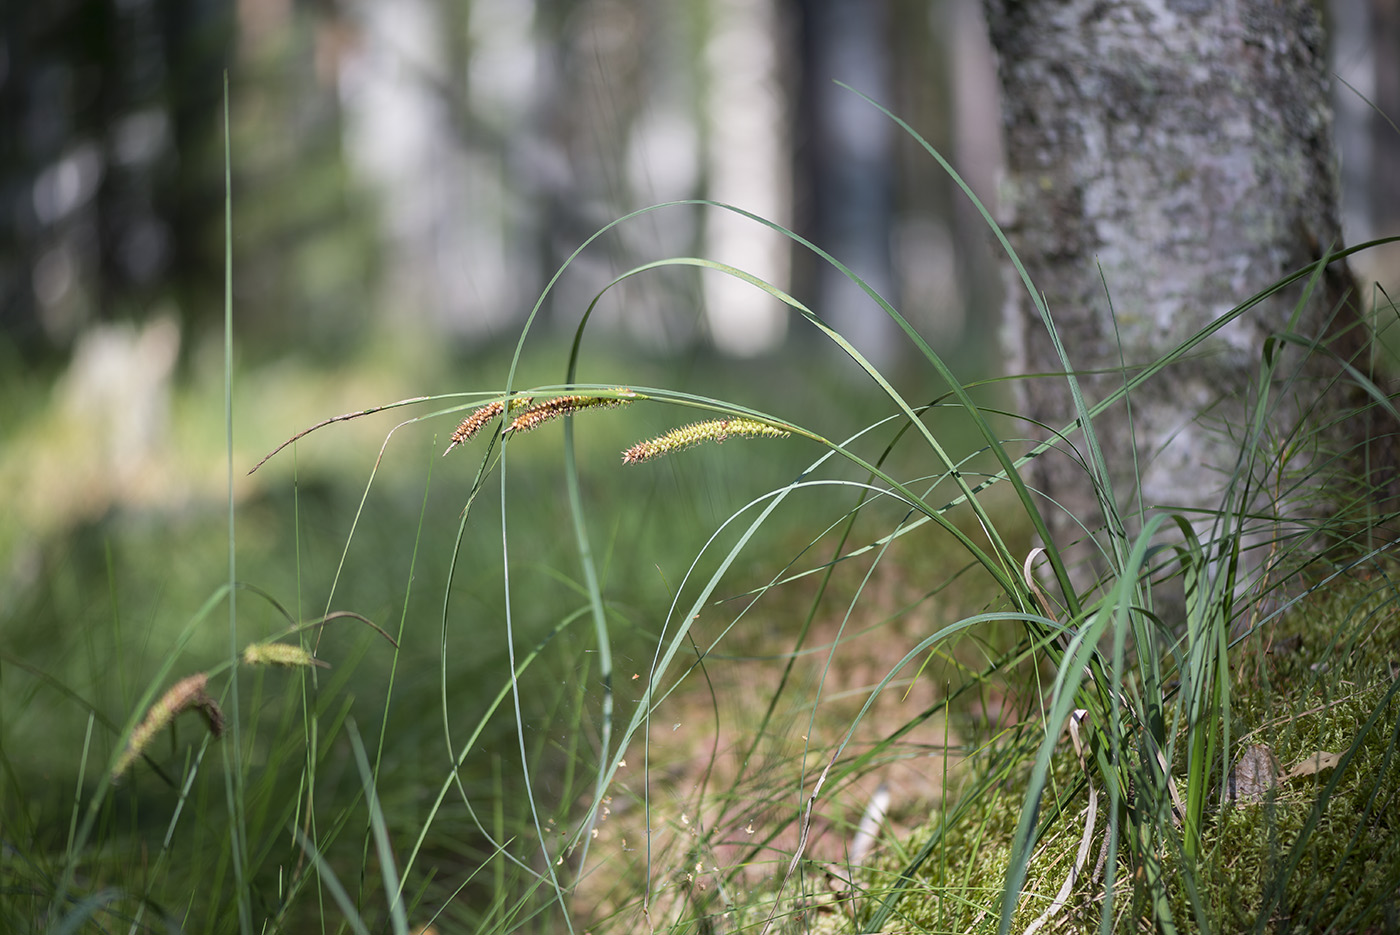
[(846, 165)]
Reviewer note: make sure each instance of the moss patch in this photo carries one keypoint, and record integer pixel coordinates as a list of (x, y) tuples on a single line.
[(1319, 852)]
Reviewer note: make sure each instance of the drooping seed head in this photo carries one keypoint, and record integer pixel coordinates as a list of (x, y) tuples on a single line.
[(535, 416), (480, 417), (189, 692)]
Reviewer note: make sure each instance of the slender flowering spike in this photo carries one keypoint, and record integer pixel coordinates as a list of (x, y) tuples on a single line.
[(713, 430), (480, 417), (473, 423), (280, 654), (536, 416), (187, 693)]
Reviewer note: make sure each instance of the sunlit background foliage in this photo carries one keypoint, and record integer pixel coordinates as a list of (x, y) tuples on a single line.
[(406, 177)]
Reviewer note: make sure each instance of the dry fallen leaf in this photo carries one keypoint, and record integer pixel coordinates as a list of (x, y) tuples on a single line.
[(1312, 765), (1253, 775)]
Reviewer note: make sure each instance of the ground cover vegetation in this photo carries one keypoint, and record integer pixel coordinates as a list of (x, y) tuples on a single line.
[(818, 670)]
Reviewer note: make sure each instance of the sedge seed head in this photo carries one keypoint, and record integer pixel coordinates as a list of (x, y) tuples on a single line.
[(537, 415), (715, 430), (481, 417), (189, 692), (280, 654)]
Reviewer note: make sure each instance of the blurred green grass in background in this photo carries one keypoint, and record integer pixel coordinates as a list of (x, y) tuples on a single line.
[(102, 573)]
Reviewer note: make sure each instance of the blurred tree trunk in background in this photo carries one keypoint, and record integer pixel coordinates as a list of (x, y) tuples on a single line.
[(1166, 159), (108, 114), (420, 169), (847, 167)]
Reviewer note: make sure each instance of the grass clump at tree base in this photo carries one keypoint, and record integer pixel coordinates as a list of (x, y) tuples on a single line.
[(1318, 851)]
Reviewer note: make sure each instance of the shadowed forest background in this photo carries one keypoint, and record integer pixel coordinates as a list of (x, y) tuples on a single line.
[(408, 176), (406, 179)]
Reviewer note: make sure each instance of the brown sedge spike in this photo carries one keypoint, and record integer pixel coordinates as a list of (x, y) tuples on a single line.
[(480, 417), (536, 416), (189, 692)]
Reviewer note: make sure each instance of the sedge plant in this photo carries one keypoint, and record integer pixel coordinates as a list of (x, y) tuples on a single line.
[(1150, 701), (1153, 706)]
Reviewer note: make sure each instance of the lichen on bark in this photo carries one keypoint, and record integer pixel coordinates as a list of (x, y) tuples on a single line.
[(1165, 161)]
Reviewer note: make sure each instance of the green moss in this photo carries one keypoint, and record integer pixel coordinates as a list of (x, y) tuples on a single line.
[(1320, 852)]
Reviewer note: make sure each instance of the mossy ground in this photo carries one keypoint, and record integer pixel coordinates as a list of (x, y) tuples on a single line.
[(1318, 853)]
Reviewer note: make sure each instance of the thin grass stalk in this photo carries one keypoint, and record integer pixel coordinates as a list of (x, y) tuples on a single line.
[(1111, 762), (601, 636), (312, 726), (1198, 678), (821, 683), (761, 730), (158, 868), (397, 917), (232, 751), (550, 870), (666, 651), (604, 646), (311, 686), (78, 787), (396, 893), (1141, 507), (331, 882), (1099, 475), (1103, 490)]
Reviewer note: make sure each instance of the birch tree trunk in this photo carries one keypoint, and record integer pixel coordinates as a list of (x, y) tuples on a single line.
[(1178, 153)]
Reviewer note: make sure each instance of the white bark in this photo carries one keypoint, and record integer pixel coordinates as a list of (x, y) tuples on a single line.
[(746, 167), (1182, 149)]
